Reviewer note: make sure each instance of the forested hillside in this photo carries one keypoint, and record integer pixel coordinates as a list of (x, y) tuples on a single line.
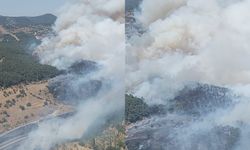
[(16, 63)]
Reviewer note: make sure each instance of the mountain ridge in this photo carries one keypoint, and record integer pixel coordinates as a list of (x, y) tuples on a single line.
[(46, 19)]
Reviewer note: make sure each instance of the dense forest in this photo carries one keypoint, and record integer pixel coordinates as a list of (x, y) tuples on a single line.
[(17, 65)]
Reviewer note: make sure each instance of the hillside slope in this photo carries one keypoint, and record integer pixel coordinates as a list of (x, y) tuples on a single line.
[(18, 37), (47, 19)]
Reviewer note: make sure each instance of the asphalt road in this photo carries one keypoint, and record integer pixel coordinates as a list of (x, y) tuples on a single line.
[(10, 140)]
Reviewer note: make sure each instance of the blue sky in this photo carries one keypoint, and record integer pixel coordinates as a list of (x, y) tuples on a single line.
[(29, 7)]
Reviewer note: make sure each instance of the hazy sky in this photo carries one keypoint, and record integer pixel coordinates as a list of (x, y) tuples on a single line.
[(29, 7)]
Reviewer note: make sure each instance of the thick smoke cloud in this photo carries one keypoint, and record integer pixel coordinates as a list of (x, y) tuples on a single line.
[(190, 41), (93, 31), (85, 29)]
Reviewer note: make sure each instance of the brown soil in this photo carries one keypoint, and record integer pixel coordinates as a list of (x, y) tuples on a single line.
[(25, 103)]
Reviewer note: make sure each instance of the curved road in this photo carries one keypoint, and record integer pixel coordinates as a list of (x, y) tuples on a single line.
[(10, 140)]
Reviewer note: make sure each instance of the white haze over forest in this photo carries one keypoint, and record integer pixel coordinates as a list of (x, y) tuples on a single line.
[(85, 30), (185, 41), (193, 41)]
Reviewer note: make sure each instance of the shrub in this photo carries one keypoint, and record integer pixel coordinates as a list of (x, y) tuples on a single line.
[(135, 109), (28, 104), (22, 107)]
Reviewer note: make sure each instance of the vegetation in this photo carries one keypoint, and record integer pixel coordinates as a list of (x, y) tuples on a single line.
[(17, 66), (28, 104), (47, 19), (3, 120), (136, 109), (22, 107), (9, 103), (109, 139)]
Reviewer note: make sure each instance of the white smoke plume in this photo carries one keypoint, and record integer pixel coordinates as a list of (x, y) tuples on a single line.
[(188, 41), (85, 30)]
